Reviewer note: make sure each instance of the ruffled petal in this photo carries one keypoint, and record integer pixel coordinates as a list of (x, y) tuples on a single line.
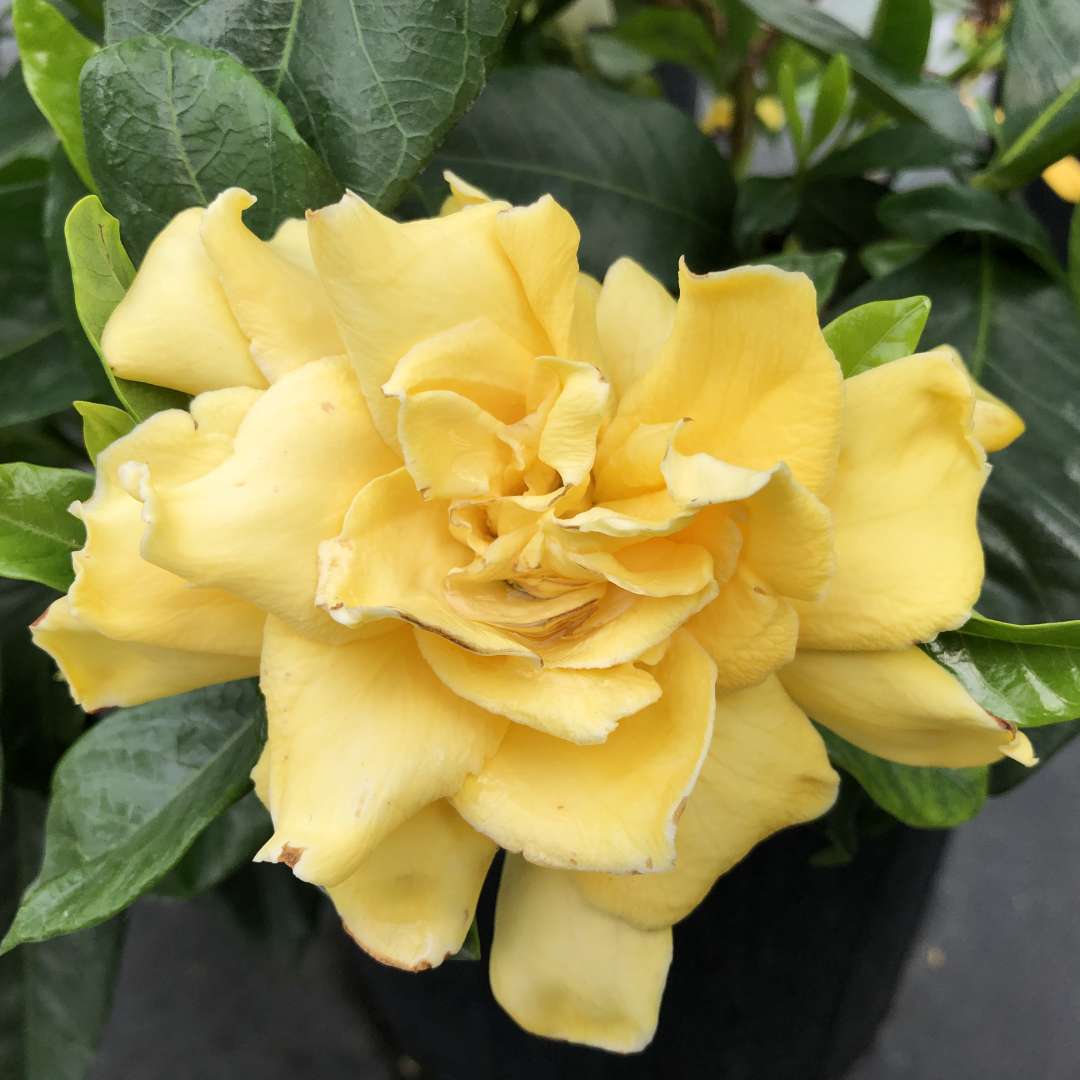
[(611, 807), (568, 437), (281, 308), (909, 559), (174, 327), (748, 362), (411, 902), (103, 673), (564, 969), (581, 706), (767, 769), (655, 568), (393, 285), (253, 525), (901, 706), (345, 724)]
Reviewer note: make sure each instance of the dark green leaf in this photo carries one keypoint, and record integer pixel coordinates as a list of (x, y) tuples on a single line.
[(24, 132), (923, 797), (876, 333), (831, 101), (1018, 331), (901, 34), (373, 87), (677, 36), (102, 425), (764, 205), (221, 848), (53, 53), (637, 175), (1074, 253), (37, 534), (101, 273), (54, 996), (930, 214), (470, 949), (891, 149), (170, 125), (1027, 674), (821, 267), (929, 100), (785, 87), (130, 797), (884, 256)]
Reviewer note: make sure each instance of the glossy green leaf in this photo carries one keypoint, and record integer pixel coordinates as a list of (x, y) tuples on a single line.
[(102, 425), (876, 333), (821, 267), (923, 797), (101, 273), (929, 214), (37, 534), (24, 132), (373, 87), (225, 845), (53, 53), (901, 34), (637, 175), (891, 149), (1027, 674), (130, 797), (928, 100), (54, 996), (170, 125), (1018, 331), (831, 101), (764, 205)]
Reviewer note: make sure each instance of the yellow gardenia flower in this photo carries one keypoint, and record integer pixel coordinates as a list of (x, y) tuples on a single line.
[(522, 561)]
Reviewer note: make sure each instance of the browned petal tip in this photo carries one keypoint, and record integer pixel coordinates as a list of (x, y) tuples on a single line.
[(386, 961), (290, 855)]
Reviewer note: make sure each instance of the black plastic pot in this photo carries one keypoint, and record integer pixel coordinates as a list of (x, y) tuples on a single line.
[(784, 973)]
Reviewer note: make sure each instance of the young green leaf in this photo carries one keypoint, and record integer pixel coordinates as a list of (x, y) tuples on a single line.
[(170, 125), (831, 101), (901, 34), (785, 87), (873, 334), (101, 273), (102, 425), (924, 797), (130, 797), (37, 534), (53, 53)]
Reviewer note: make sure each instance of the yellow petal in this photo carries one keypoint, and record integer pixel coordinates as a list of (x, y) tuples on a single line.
[(568, 437), (635, 315), (655, 568), (767, 769), (410, 903), (345, 726), (391, 559), (103, 673), (1063, 177), (909, 560), (996, 424), (610, 807), (564, 969), (174, 326), (282, 309), (115, 590), (581, 706), (253, 525), (393, 285), (584, 343), (291, 242), (462, 194), (748, 630), (901, 706), (747, 360)]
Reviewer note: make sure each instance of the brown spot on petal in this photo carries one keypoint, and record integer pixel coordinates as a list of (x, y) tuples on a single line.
[(290, 855), (1004, 724), (327, 406), (679, 810)]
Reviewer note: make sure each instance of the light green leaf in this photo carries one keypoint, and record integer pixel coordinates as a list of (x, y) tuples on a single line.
[(37, 534), (374, 87), (102, 425), (101, 273), (821, 267), (925, 798), (901, 34), (929, 99), (54, 996), (130, 797), (53, 53), (876, 333), (831, 101), (637, 175), (785, 87), (170, 125), (1027, 674)]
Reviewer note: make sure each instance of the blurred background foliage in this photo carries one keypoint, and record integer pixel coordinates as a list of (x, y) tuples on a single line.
[(893, 150)]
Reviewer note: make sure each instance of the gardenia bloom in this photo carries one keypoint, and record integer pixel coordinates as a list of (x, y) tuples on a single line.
[(522, 561)]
